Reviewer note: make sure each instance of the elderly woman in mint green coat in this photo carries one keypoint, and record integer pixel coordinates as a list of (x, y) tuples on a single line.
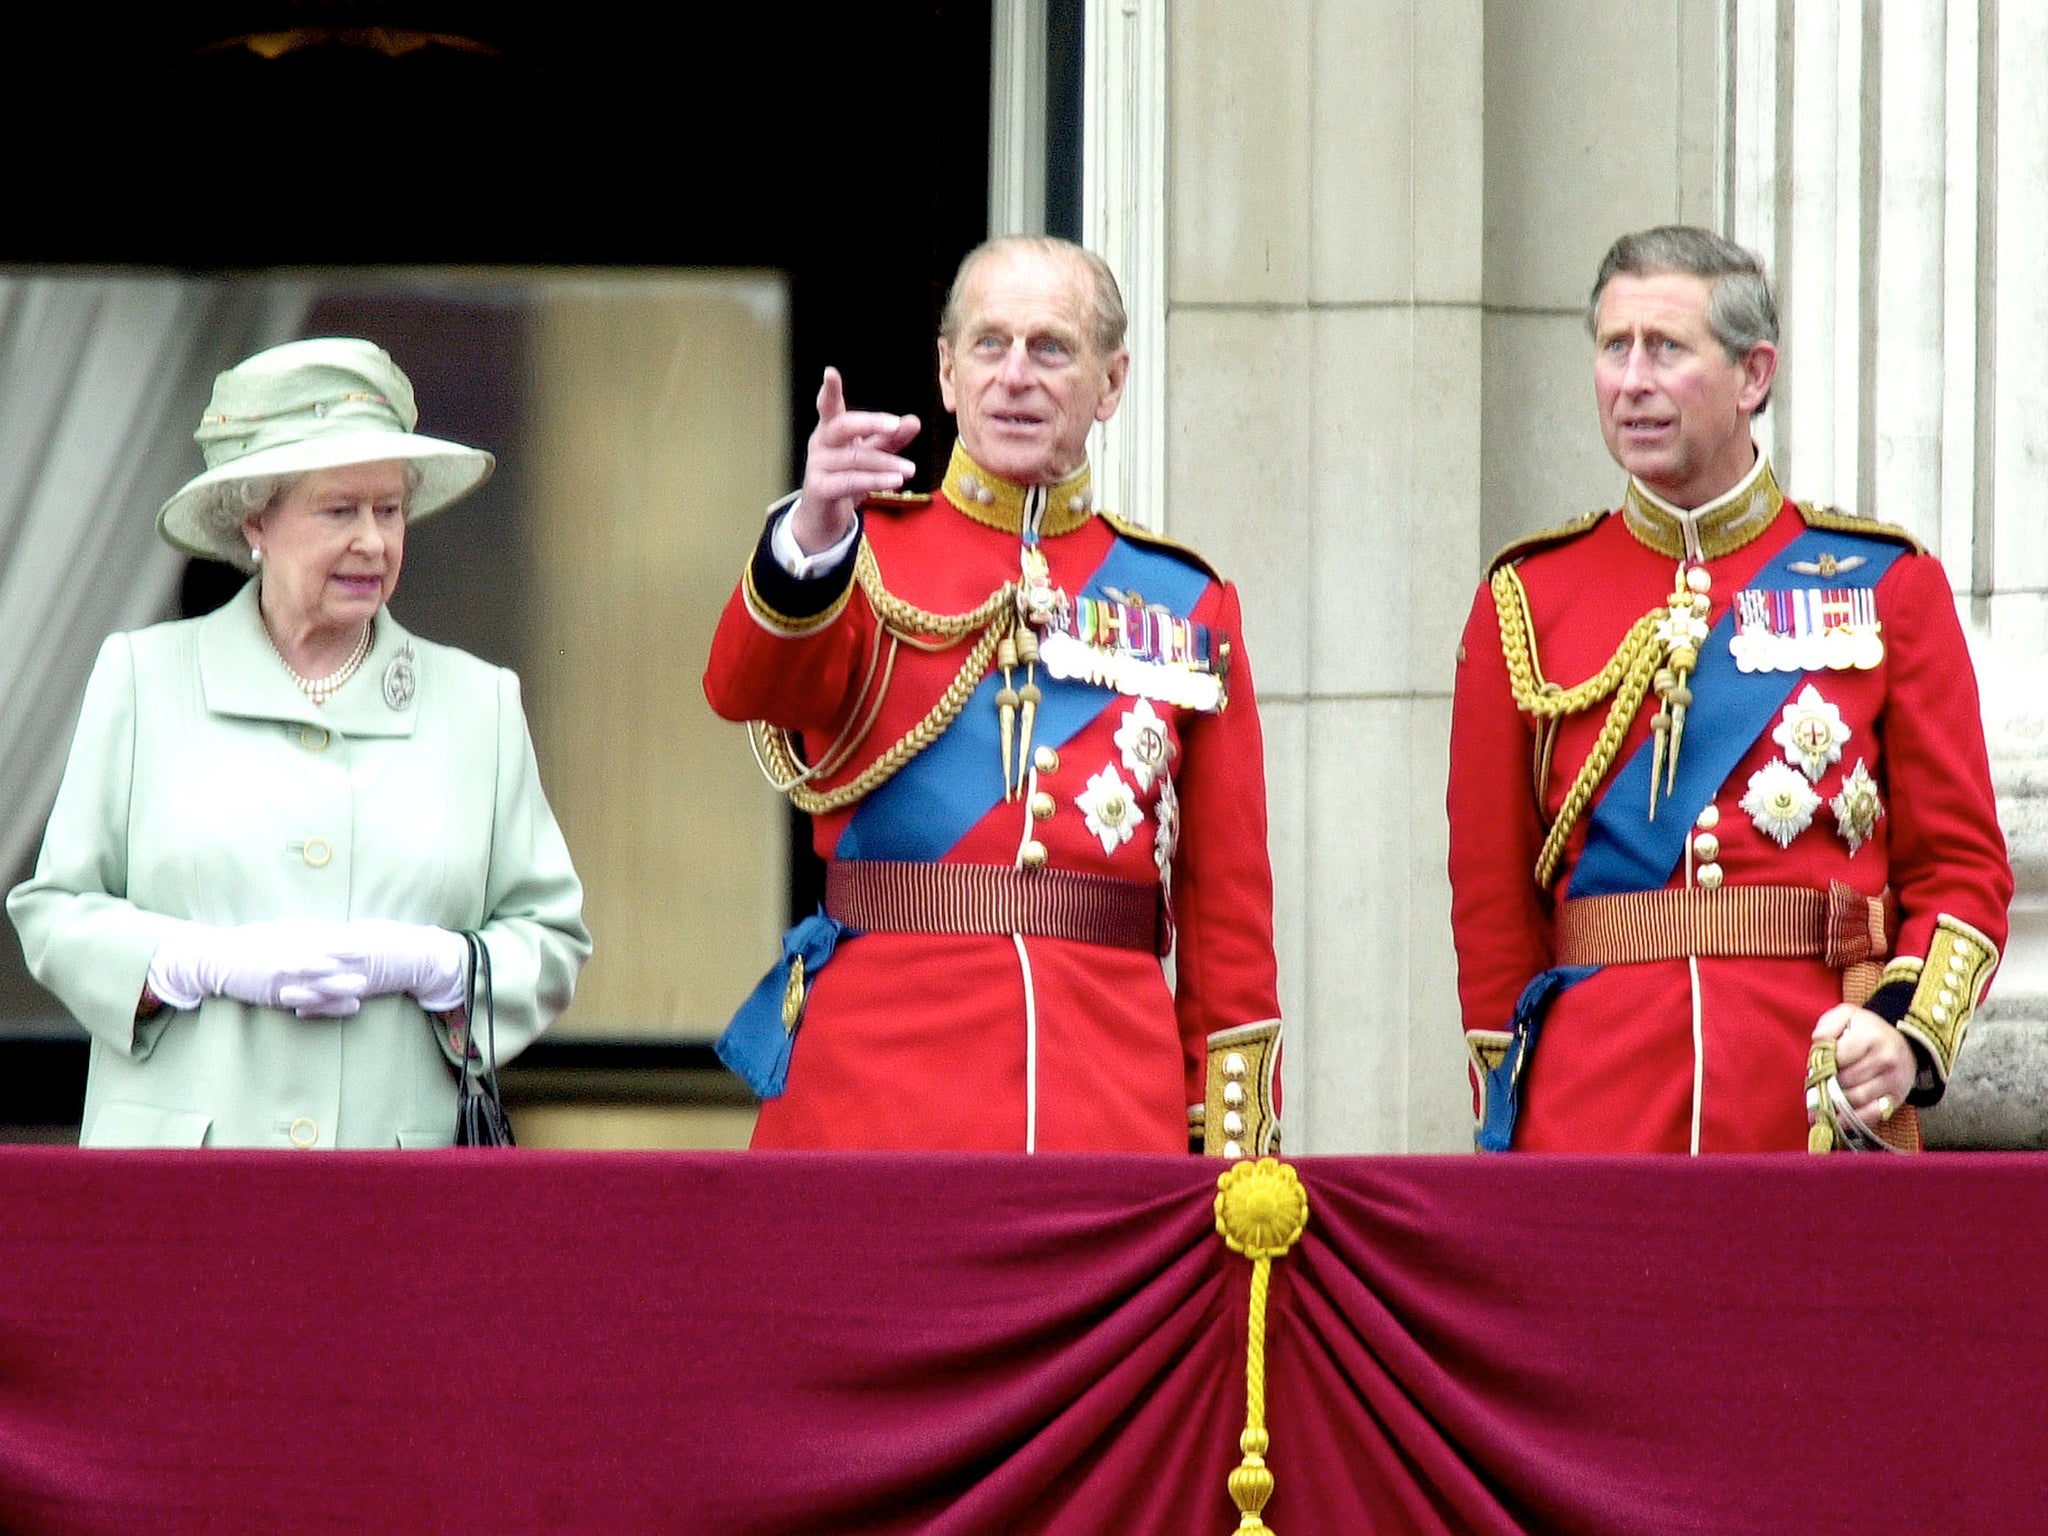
[(278, 820)]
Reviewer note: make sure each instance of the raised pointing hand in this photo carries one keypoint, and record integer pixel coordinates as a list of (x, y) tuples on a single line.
[(852, 454)]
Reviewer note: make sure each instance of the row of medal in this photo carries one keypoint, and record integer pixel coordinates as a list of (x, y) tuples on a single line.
[(1807, 629), (1121, 642)]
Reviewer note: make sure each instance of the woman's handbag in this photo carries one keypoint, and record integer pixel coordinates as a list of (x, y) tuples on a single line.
[(480, 1112)]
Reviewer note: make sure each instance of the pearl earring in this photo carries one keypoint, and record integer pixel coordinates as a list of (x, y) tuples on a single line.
[(256, 554)]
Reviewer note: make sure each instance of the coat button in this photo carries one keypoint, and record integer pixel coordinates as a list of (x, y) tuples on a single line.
[(318, 851), (1709, 817), (1041, 806), (1709, 877), (313, 738), (305, 1132), (1045, 760), (1706, 846), (1033, 856)]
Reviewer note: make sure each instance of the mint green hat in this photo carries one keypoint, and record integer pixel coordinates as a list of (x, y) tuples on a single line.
[(307, 405)]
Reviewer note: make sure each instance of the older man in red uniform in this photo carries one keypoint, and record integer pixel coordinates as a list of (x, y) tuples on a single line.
[(1721, 815), (1027, 737)]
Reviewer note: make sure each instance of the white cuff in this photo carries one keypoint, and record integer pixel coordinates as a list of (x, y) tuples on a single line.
[(789, 554)]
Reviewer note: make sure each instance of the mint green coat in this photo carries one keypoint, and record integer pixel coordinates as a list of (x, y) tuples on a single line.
[(203, 784)]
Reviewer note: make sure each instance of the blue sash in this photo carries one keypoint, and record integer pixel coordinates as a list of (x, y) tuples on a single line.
[(1625, 850), (1496, 1132), (756, 1043), (940, 795)]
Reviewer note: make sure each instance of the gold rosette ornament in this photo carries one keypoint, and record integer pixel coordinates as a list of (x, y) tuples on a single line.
[(1261, 1212)]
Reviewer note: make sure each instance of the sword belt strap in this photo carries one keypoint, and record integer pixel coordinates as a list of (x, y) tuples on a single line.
[(1839, 926), (876, 895)]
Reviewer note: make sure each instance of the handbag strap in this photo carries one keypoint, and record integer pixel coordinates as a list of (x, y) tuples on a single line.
[(479, 998)]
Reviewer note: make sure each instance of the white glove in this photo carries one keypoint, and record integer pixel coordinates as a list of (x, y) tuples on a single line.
[(279, 964), (430, 963)]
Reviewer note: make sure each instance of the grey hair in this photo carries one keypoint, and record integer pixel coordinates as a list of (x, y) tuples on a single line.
[(1742, 312), (234, 501), (1110, 319)]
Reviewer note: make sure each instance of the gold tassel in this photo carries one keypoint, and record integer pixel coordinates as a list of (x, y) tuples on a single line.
[(1006, 708), (1027, 652), (1682, 629), (1261, 1212)]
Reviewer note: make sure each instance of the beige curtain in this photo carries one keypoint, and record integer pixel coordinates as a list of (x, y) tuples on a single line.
[(658, 436)]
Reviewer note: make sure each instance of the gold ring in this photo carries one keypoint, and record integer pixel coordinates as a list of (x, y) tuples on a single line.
[(1885, 1107)]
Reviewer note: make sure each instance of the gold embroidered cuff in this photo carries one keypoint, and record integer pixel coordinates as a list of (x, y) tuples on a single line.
[(1239, 1117), (1947, 986)]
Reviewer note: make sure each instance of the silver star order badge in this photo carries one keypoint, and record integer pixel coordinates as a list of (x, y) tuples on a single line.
[(1812, 732), (1857, 807), (1112, 812), (1167, 810), (1145, 743), (1780, 802)]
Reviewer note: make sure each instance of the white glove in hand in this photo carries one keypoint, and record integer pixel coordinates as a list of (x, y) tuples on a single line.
[(279, 964), (430, 963)]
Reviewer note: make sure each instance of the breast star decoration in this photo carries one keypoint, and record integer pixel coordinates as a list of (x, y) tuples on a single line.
[(1856, 807), (1780, 802), (1144, 742), (1112, 812), (1167, 838), (1812, 732)]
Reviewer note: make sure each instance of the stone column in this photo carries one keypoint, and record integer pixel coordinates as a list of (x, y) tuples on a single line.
[(1998, 1097), (1916, 378), (1323, 448)]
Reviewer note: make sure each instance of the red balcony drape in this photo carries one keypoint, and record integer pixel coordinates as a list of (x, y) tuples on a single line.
[(622, 1342)]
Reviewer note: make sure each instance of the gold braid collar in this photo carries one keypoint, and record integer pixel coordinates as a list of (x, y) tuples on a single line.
[(1627, 675), (902, 623), (998, 503)]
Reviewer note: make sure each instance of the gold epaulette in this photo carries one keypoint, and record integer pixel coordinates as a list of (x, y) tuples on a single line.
[(1563, 533), (895, 501), (1835, 520), (1146, 536)]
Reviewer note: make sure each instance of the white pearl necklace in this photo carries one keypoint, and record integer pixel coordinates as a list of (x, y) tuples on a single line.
[(321, 689)]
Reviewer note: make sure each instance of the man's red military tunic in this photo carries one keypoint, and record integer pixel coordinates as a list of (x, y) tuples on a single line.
[(1868, 771), (1009, 1041)]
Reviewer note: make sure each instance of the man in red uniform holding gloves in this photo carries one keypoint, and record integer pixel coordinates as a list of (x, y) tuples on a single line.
[(1027, 737), (1726, 870)]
